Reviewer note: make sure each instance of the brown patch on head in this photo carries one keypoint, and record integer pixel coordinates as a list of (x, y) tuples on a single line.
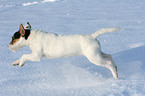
[(21, 33), (14, 41), (15, 38)]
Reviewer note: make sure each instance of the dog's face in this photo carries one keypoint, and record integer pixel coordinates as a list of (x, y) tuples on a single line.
[(19, 39)]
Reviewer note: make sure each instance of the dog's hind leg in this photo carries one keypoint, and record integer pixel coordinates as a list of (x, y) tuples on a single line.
[(91, 49), (103, 60), (111, 64)]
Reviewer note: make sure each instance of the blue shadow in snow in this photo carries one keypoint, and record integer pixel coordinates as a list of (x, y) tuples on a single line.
[(131, 62)]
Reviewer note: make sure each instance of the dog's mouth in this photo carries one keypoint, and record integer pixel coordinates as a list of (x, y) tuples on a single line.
[(12, 48)]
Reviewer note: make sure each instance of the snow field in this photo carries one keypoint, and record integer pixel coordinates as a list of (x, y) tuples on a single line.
[(75, 76)]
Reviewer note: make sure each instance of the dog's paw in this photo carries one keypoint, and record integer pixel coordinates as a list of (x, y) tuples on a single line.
[(16, 63), (116, 72), (21, 63)]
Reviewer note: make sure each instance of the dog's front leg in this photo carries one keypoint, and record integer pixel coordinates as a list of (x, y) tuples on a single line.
[(27, 57)]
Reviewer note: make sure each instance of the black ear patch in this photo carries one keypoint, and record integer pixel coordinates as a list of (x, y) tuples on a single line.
[(27, 33), (17, 35)]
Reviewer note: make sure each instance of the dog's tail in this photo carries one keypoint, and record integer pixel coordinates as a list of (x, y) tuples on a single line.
[(105, 30)]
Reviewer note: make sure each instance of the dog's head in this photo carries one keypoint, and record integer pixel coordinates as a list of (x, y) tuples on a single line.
[(19, 39)]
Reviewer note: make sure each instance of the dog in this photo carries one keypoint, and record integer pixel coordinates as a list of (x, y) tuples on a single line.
[(52, 45)]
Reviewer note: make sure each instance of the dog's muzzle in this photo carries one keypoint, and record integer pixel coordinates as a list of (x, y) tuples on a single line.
[(12, 48)]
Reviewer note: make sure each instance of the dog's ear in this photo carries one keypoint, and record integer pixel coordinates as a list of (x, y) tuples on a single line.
[(29, 24), (22, 30)]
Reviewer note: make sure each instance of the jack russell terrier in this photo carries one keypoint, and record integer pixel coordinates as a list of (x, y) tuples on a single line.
[(52, 45)]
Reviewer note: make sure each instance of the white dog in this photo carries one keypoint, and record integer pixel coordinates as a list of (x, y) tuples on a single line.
[(52, 45)]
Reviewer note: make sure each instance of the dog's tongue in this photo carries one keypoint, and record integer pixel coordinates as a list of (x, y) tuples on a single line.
[(27, 26)]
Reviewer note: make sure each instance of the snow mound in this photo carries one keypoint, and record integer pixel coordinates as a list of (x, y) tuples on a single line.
[(48, 1), (36, 2), (32, 3), (135, 45), (131, 63)]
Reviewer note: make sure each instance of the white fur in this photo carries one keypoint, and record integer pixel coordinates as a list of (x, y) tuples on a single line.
[(53, 46)]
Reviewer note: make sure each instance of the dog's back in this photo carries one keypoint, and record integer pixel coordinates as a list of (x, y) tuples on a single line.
[(54, 45)]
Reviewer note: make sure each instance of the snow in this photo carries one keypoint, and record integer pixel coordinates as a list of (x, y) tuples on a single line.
[(75, 76), (27, 4), (48, 1)]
